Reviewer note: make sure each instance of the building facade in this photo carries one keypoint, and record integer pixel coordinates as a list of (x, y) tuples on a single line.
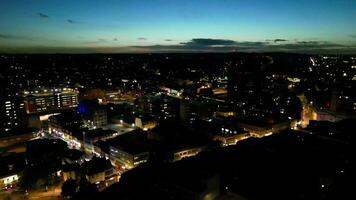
[(50, 100)]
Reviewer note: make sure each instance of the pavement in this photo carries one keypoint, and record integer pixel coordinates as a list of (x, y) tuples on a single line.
[(52, 194)]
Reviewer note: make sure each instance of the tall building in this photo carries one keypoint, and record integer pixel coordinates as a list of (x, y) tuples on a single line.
[(96, 118), (245, 77), (189, 111), (93, 115), (148, 105), (12, 112), (170, 107), (130, 149), (50, 100), (159, 107)]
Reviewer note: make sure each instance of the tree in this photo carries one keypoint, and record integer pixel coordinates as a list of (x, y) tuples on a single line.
[(86, 190), (69, 188)]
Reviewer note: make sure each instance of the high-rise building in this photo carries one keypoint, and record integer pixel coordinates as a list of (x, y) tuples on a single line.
[(93, 115), (12, 112), (245, 77), (96, 118), (159, 107), (50, 100), (190, 111), (170, 107)]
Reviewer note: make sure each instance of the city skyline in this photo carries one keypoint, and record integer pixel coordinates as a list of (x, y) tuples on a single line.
[(185, 26), (167, 99)]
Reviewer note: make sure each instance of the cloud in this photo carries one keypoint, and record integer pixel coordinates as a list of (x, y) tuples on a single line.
[(115, 39), (308, 42), (168, 40), (42, 15), (313, 47), (251, 44), (5, 36), (204, 45), (280, 40), (194, 45), (98, 41), (208, 42), (223, 45), (292, 48), (352, 36), (14, 37), (142, 38), (71, 21)]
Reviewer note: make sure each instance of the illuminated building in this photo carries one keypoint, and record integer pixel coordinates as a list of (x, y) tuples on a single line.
[(11, 168), (145, 123), (189, 111), (148, 105), (66, 126), (93, 115), (325, 115), (226, 131), (112, 97), (186, 152), (8, 180), (99, 171), (17, 139), (230, 137), (70, 171), (117, 97), (90, 137), (12, 113), (129, 150), (172, 91), (158, 107), (224, 112), (260, 129), (96, 119), (50, 100), (169, 107)]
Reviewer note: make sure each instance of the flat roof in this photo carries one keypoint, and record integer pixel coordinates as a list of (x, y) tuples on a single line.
[(99, 133), (133, 142)]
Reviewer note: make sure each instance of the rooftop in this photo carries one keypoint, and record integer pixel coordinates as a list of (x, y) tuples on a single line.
[(133, 142), (11, 164), (98, 133), (96, 165)]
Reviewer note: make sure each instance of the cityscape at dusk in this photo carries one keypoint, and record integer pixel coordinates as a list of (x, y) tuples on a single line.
[(177, 100)]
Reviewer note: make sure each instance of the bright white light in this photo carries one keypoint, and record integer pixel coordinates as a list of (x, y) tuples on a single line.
[(268, 134)]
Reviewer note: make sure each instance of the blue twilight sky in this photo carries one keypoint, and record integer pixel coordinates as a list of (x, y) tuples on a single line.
[(181, 25)]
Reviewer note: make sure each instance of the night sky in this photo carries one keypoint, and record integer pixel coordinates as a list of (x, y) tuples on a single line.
[(86, 26)]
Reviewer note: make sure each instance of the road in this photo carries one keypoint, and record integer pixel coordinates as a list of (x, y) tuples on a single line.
[(52, 194)]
